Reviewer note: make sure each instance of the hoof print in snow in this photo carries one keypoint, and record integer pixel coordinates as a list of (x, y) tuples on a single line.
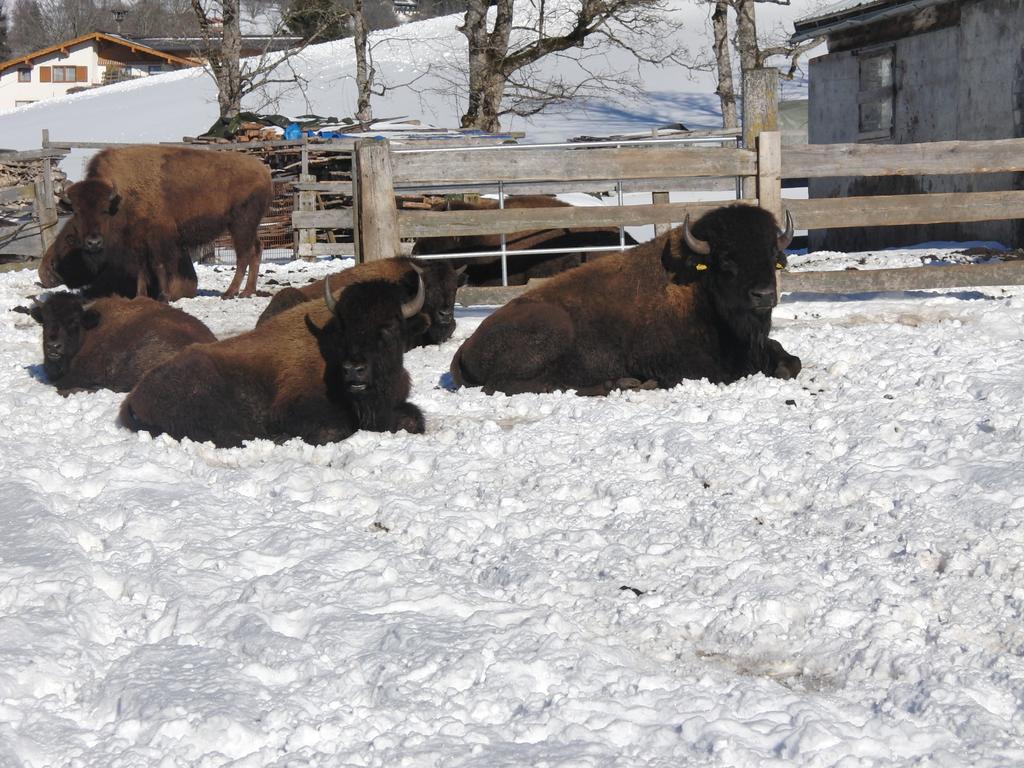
[(634, 590), (378, 526)]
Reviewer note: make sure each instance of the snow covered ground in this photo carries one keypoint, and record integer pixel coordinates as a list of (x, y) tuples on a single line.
[(823, 571)]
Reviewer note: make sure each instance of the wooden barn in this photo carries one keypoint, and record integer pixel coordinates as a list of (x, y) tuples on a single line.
[(902, 71)]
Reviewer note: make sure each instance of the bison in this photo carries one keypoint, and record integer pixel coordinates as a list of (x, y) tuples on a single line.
[(110, 343), (439, 279), (66, 262), (520, 267), (689, 304), (317, 371), (149, 204)]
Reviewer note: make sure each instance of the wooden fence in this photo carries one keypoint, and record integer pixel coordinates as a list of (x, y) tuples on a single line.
[(379, 171)]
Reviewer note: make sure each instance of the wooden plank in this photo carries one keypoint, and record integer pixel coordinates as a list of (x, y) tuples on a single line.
[(908, 279), (31, 155), (890, 210), (695, 184), (760, 111), (47, 204), (305, 202), (306, 250), (332, 218), (769, 173), (937, 157), (324, 187), (839, 282), (660, 198), (376, 214), (652, 162), (12, 194), (447, 223)]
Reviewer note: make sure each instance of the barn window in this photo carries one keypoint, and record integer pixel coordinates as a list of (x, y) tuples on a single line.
[(875, 96), (24, 74)]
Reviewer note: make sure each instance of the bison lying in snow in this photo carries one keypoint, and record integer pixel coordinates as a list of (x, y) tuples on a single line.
[(521, 267), (318, 371), (66, 262), (686, 305), (439, 279), (110, 343), (149, 204)]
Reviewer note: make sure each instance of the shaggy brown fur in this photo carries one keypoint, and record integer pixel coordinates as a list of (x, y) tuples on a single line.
[(110, 343), (66, 262), (652, 316), (272, 382), (151, 203), (521, 268), (439, 279)]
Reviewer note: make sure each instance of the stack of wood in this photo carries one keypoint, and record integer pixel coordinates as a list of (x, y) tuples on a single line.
[(17, 180)]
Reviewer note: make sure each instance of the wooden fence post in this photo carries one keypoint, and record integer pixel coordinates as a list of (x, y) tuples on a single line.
[(45, 203), (375, 218), (769, 173), (760, 111), (658, 198)]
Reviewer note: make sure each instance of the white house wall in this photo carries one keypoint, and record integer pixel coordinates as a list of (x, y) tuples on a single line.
[(81, 55)]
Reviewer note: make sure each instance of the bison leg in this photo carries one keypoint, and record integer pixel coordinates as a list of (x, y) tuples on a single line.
[(410, 418), (312, 418), (781, 364), (248, 249), (517, 349)]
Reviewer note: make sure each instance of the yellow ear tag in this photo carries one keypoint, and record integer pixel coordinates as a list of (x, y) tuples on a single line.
[(778, 265), (701, 267)]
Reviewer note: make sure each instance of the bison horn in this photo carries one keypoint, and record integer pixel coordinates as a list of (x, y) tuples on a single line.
[(329, 299), (703, 247), (415, 304), (786, 237)]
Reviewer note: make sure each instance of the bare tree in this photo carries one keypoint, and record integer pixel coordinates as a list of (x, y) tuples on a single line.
[(364, 64), (753, 52), (221, 49), (502, 76)]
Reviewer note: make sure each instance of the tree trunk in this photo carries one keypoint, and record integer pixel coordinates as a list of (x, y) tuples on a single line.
[(364, 69), (746, 35), (487, 51), (726, 88), (229, 79)]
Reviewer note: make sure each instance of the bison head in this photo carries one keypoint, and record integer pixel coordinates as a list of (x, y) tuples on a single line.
[(735, 253), (94, 202), (65, 319), (440, 282), (363, 342)]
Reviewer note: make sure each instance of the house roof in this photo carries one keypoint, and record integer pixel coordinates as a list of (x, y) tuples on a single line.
[(124, 42), (848, 14), (188, 45)]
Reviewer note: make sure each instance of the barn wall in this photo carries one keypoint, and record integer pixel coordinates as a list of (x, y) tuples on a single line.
[(960, 82)]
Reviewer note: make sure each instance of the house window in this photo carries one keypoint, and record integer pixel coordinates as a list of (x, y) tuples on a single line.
[(24, 74), (24, 103), (64, 75), (875, 95)]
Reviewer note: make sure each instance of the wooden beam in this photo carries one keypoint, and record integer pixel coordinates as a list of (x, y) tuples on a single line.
[(891, 210), (514, 165), (907, 279), (449, 223), (760, 110), (818, 161), (769, 173), (376, 214)]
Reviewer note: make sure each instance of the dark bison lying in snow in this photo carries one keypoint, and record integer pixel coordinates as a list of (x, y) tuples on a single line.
[(440, 282), (686, 305), (318, 371), (521, 267), (148, 204), (67, 262), (110, 343)]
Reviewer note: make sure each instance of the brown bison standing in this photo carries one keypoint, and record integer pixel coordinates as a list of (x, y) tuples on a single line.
[(486, 270), (149, 204), (110, 343), (440, 283), (317, 371), (686, 305)]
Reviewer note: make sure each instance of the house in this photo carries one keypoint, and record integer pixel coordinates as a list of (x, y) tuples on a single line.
[(904, 71), (101, 58), (96, 58)]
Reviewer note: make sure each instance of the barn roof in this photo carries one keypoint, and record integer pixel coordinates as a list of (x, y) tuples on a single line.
[(847, 14)]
